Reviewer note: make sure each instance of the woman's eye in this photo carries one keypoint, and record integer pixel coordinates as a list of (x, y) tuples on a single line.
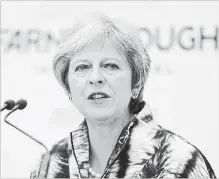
[(111, 66), (82, 68)]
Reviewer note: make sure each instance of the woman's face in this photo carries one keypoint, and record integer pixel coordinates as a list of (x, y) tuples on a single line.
[(100, 81)]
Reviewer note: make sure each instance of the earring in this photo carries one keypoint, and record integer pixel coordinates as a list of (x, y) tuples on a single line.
[(70, 98), (134, 94)]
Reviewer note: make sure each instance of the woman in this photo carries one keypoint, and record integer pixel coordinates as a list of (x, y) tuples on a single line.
[(103, 66)]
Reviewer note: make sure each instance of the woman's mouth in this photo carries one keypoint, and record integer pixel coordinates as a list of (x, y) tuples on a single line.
[(98, 97)]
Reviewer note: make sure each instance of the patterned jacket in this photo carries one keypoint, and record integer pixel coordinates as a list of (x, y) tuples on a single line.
[(143, 150)]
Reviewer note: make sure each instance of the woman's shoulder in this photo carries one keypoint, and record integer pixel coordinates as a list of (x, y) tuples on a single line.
[(162, 137), (173, 154), (56, 161), (175, 147)]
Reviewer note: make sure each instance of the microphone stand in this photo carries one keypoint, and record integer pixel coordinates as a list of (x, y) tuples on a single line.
[(46, 156), (23, 131)]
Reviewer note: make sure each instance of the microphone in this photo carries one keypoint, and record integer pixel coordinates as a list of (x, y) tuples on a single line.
[(21, 104), (9, 104)]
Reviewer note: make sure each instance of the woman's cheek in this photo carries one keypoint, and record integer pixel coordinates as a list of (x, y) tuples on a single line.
[(75, 87)]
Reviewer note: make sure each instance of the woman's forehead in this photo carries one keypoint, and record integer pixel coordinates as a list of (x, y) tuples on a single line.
[(102, 48)]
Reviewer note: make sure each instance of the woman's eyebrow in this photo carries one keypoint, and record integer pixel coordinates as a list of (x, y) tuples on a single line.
[(78, 60)]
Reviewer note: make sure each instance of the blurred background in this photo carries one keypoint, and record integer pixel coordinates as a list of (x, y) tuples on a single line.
[(182, 90)]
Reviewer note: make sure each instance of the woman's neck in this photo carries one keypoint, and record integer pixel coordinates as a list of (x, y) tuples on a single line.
[(103, 138)]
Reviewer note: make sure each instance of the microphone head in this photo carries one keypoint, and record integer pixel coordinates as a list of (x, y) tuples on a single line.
[(22, 103), (9, 104)]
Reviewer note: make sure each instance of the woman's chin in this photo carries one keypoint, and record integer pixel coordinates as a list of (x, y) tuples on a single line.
[(99, 111), (99, 115)]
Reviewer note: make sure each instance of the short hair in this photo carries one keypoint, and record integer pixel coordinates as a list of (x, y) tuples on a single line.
[(96, 26)]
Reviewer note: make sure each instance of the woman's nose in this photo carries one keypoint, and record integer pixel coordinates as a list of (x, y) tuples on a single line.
[(96, 78)]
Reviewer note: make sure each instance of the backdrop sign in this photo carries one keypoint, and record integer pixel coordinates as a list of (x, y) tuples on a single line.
[(185, 38)]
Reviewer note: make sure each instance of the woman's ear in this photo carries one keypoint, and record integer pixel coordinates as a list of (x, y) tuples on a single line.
[(70, 97), (136, 90)]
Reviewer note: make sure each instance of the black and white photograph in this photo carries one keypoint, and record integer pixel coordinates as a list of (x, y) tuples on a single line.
[(109, 89)]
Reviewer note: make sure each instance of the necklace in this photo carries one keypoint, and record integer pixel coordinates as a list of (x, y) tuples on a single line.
[(92, 172)]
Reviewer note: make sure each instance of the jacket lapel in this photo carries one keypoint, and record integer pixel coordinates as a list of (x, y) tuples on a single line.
[(79, 152)]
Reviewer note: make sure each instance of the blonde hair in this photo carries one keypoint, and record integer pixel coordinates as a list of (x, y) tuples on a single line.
[(96, 26)]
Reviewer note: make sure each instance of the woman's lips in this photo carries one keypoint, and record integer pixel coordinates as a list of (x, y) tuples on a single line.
[(100, 100), (93, 95)]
